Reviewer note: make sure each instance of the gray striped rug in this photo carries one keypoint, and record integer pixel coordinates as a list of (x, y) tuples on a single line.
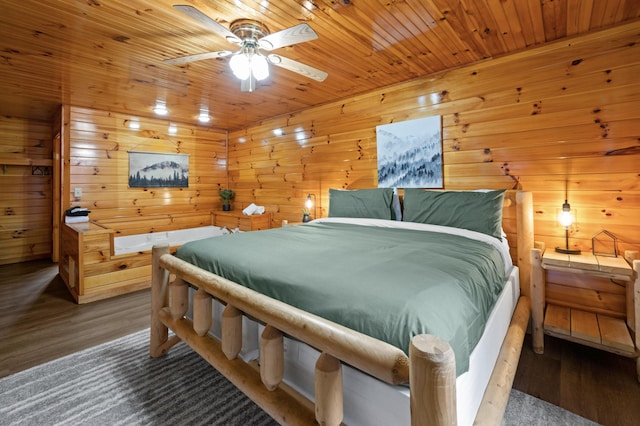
[(117, 383)]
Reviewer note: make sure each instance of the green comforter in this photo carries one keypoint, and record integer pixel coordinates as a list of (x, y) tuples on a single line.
[(389, 283)]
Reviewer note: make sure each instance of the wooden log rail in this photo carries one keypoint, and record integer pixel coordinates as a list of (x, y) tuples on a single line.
[(430, 368)]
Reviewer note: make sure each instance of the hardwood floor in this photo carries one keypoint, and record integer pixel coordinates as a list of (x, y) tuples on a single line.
[(597, 385), (40, 321)]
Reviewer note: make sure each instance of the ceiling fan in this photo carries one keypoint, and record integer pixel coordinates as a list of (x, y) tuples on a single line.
[(249, 64)]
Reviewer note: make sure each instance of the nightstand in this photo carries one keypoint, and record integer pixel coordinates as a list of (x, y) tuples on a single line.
[(567, 319), (287, 223), (236, 219)]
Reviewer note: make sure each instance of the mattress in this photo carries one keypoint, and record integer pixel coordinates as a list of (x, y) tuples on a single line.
[(369, 278)]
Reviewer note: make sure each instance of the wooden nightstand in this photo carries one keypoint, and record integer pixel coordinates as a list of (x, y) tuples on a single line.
[(591, 326), (287, 223), (236, 219)]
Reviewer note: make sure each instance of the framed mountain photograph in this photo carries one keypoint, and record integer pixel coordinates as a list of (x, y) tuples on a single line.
[(158, 170), (410, 154)]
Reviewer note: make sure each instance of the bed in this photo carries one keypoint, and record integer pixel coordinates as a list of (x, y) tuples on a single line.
[(395, 340)]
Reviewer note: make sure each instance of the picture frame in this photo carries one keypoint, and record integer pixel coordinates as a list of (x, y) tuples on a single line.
[(158, 170), (410, 154)]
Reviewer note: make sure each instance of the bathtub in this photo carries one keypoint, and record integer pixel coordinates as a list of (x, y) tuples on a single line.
[(142, 242)]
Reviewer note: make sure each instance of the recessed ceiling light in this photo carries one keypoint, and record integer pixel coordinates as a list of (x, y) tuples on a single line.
[(204, 116), (161, 108)]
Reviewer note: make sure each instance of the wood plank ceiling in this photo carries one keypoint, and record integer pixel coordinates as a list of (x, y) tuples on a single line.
[(108, 54)]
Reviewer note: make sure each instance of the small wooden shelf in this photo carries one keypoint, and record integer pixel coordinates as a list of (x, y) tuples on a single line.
[(588, 328), (26, 161)]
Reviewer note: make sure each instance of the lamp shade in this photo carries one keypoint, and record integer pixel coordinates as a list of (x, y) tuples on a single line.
[(240, 65), (259, 67)]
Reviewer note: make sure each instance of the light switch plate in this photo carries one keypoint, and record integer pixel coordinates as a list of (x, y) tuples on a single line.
[(77, 192)]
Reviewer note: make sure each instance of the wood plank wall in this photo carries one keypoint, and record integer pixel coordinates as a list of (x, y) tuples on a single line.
[(99, 142), (564, 114), (26, 190)]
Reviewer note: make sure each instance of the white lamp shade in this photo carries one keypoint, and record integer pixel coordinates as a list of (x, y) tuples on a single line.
[(240, 65), (259, 67)]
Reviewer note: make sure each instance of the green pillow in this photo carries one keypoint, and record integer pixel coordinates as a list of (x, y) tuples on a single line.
[(373, 203), (473, 210)]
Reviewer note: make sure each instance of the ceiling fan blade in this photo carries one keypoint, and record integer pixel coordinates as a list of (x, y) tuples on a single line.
[(212, 24), (299, 67), (288, 37), (197, 57)]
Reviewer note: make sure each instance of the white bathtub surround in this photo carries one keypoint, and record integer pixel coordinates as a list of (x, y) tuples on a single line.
[(142, 242)]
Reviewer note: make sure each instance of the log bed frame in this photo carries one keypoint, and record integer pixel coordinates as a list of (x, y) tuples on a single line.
[(429, 369)]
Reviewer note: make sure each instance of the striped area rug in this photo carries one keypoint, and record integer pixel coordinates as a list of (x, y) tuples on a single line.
[(118, 383)]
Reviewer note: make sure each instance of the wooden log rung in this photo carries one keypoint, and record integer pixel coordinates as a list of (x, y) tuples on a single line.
[(202, 312), (179, 298), (329, 390), (271, 357), (231, 331)]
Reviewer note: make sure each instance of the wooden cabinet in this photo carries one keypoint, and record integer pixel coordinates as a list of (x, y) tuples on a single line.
[(572, 318), (235, 219)]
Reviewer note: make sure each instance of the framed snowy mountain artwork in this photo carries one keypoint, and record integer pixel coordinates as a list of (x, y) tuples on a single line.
[(410, 154), (158, 170)]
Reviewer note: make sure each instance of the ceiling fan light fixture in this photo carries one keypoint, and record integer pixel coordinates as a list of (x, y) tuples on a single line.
[(259, 67), (240, 65), (249, 64), (245, 63)]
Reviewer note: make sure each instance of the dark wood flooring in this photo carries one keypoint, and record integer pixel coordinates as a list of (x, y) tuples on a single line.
[(39, 322)]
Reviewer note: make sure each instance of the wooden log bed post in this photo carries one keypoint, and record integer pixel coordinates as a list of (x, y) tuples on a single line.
[(159, 298), (430, 368), (537, 300)]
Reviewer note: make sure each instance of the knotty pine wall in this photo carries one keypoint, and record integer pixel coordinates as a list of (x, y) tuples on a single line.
[(99, 142), (566, 113), (26, 194)]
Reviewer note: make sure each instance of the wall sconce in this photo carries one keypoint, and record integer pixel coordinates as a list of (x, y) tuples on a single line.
[(566, 218), (309, 204)]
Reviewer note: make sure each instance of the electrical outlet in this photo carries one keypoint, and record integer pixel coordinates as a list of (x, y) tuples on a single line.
[(77, 192)]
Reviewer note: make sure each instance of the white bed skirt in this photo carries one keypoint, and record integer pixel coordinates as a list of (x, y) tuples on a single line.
[(370, 402)]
